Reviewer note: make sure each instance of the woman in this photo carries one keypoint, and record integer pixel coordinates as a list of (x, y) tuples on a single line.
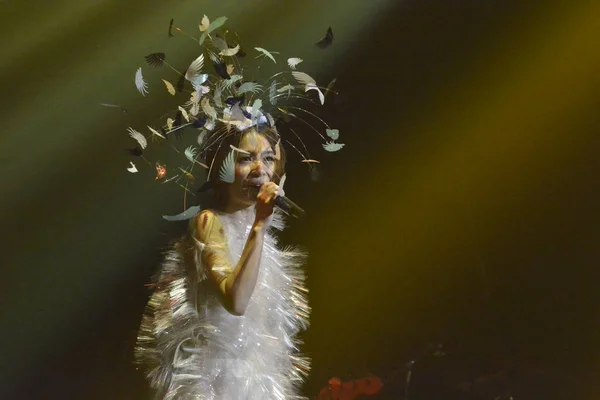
[(228, 303)]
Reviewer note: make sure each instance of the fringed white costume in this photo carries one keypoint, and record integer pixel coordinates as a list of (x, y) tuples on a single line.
[(195, 349)]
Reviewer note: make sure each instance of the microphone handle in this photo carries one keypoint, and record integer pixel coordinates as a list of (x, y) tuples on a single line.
[(289, 206)]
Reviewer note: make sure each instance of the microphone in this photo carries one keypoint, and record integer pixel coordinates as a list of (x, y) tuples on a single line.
[(289, 206)]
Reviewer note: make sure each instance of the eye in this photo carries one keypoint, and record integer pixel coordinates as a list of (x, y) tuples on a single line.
[(244, 158), (270, 159)]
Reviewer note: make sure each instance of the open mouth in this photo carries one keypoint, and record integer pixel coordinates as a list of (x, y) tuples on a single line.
[(252, 190), (253, 185)]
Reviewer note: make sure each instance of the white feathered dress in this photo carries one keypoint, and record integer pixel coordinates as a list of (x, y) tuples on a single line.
[(194, 349)]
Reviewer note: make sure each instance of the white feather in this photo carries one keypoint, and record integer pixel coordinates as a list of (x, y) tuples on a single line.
[(303, 78), (229, 82), (210, 124), (195, 109), (230, 52), (170, 87), (213, 25), (270, 119), (195, 68), (184, 113), (217, 23), (234, 116), (227, 171), (190, 153), (332, 146), (140, 84), (273, 93), (249, 87), (132, 169), (155, 132), (281, 192), (194, 99), (287, 88), (198, 80), (293, 62), (141, 139), (314, 87), (208, 109), (213, 57), (237, 114), (217, 95), (201, 137), (309, 84), (204, 23), (267, 53), (333, 133), (197, 95), (255, 109), (201, 90)]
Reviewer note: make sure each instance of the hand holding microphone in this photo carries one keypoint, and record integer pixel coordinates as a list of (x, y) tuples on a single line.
[(268, 197), (265, 200)]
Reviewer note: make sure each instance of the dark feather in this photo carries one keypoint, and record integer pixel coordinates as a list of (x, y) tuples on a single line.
[(135, 151), (170, 27), (177, 123), (199, 123), (181, 83), (330, 87), (221, 69), (208, 185), (327, 40), (179, 134), (155, 59), (231, 101), (178, 120)]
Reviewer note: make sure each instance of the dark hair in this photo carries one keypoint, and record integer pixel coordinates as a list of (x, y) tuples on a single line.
[(216, 154)]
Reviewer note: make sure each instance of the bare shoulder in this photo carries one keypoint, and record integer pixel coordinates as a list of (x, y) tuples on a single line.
[(209, 231), (208, 227)]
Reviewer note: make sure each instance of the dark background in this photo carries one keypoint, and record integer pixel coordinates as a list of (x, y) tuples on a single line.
[(463, 209)]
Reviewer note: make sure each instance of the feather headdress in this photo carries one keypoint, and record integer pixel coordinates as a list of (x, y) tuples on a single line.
[(221, 100)]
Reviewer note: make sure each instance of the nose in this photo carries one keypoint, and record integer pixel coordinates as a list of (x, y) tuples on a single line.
[(258, 168)]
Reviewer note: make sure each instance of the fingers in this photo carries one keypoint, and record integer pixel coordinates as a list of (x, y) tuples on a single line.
[(265, 200), (268, 192)]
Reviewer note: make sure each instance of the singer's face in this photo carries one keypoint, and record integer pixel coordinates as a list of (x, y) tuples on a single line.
[(251, 170)]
